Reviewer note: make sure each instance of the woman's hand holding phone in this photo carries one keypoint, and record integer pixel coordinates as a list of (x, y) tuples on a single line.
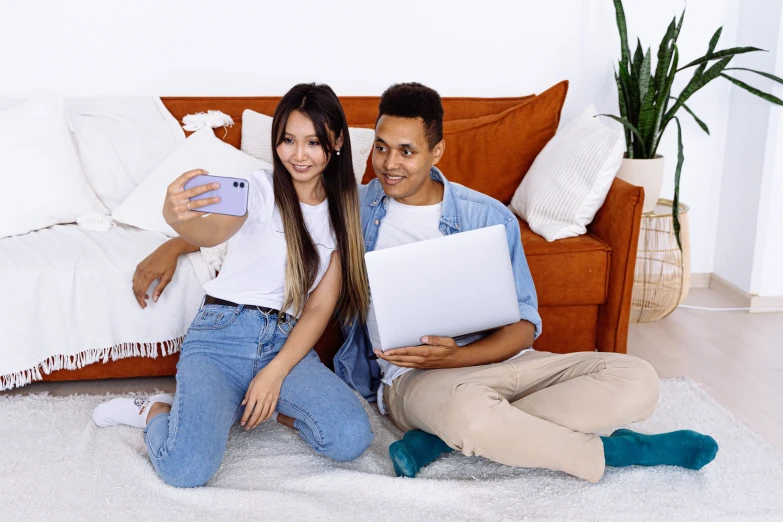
[(178, 208)]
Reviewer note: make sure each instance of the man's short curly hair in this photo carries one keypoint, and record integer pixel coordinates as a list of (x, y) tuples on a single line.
[(414, 100)]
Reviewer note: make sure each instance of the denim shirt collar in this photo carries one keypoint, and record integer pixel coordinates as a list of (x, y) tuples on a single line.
[(449, 216)]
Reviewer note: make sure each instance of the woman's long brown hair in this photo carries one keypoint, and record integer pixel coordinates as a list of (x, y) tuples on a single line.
[(320, 104)]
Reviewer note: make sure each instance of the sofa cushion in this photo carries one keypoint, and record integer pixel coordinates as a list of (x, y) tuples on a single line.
[(43, 182), (569, 180), (201, 150), (572, 271), (493, 153), (120, 141), (568, 329)]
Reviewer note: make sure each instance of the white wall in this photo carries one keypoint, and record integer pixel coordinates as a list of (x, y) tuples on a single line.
[(187, 47), (770, 229), (767, 277), (501, 48), (741, 241)]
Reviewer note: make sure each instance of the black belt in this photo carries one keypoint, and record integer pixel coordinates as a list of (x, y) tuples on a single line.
[(209, 300)]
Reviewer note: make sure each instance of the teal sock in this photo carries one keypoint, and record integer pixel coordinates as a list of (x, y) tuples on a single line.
[(416, 449), (684, 448)]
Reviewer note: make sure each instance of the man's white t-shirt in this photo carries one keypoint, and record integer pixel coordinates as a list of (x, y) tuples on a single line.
[(402, 225), (253, 271)]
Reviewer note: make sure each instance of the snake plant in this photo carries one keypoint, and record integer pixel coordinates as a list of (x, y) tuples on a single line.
[(647, 105)]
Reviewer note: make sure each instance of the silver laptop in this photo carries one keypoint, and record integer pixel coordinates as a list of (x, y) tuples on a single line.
[(449, 286)]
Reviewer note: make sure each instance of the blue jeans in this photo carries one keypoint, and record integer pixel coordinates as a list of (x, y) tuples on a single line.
[(225, 347)]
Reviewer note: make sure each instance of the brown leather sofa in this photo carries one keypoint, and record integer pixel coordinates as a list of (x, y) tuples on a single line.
[(583, 283)]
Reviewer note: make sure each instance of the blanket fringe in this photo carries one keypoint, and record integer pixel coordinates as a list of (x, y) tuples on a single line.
[(82, 359)]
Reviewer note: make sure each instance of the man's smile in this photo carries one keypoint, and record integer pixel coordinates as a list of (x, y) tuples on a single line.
[(392, 179)]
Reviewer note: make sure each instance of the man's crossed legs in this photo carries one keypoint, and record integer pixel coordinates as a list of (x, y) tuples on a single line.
[(538, 410)]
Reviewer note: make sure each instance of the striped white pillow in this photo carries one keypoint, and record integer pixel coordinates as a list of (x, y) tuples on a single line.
[(569, 180)]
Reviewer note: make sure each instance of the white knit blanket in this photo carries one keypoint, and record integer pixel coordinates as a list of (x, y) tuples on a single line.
[(66, 301), (57, 465)]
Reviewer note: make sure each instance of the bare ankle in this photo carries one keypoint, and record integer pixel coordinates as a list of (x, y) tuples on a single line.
[(285, 420), (156, 409)]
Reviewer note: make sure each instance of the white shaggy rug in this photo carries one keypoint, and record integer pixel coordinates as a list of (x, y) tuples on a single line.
[(55, 464)]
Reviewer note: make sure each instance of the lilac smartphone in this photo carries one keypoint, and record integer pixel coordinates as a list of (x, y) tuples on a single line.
[(232, 194)]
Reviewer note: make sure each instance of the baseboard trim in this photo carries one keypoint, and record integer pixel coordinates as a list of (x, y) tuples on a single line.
[(756, 303), (701, 280), (765, 303), (721, 284)]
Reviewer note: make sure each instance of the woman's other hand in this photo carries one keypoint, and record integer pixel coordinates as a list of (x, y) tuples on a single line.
[(160, 264), (261, 397)]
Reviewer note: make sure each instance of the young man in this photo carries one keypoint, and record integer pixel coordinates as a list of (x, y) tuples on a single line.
[(489, 395)]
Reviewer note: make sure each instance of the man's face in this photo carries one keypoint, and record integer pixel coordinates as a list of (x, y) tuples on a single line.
[(402, 159)]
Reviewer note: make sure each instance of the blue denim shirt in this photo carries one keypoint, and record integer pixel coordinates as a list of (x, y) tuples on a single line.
[(463, 209)]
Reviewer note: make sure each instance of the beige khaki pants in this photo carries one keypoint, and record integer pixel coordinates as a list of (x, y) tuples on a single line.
[(538, 410)]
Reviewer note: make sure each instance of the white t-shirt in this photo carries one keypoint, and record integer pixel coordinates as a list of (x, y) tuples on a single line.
[(402, 225), (253, 271)]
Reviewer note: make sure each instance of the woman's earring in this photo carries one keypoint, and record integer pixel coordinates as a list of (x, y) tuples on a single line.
[(338, 152)]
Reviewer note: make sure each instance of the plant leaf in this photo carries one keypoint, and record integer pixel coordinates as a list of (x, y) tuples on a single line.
[(753, 90), (623, 29), (646, 119), (632, 83), (679, 25), (623, 114), (644, 76), (766, 75), (628, 125), (677, 172), (631, 103), (721, 54), (664, 57), (662, 104), (710, 49), (648, 126), (638, 57), (694, 85), (698, 121)]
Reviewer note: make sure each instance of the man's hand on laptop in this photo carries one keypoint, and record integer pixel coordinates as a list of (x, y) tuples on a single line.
[(437, 352)]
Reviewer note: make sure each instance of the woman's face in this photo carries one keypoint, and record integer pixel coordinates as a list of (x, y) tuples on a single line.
[(301, 151)]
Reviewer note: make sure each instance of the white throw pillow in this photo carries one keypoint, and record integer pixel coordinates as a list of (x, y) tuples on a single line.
[(569, 180), (120, 141), (39, 169), (143, 208), (257, 141)]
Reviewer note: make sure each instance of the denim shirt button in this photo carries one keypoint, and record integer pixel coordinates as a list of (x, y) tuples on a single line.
[(377, 222), (456, 226)]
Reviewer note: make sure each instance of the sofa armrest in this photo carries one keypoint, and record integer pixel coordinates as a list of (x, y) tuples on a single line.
[(617, 224)]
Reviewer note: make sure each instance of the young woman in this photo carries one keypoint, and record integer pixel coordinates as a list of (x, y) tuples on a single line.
[(295, 256)]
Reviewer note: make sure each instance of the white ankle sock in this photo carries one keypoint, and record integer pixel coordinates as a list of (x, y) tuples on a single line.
[(132, 412)]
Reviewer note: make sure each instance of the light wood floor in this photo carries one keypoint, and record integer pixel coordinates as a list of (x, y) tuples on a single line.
[(736, 356)]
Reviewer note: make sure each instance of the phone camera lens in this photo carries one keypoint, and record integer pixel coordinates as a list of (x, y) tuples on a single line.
[(242, 185), (235, 183)]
